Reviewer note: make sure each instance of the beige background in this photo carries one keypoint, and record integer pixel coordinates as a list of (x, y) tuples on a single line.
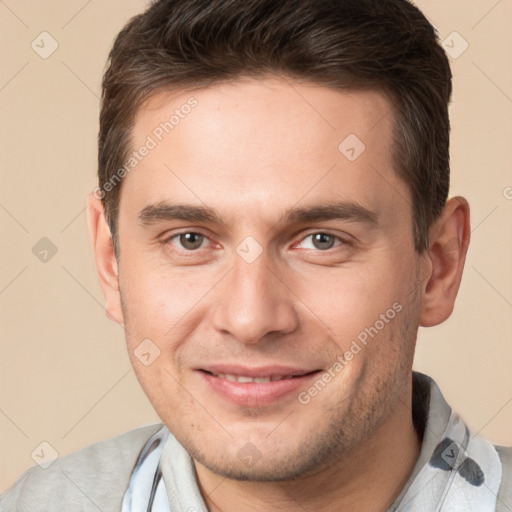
[(65, 377)]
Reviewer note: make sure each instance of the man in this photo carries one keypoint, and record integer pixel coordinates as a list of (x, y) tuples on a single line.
[(271, 227)]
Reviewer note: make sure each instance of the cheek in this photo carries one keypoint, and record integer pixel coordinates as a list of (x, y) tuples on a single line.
[(158, 298), (345, 301)]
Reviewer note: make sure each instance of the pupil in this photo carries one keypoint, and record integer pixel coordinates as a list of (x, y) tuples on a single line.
[(191, 240), (323, 241)]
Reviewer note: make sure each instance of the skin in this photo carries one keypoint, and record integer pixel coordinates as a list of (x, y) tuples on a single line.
[(251, 151)]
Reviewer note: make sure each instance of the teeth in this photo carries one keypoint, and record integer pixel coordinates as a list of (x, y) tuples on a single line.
[(257, 379), (244, 378)]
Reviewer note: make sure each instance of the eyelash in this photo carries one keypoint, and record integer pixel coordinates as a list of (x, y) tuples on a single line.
[(168, 240), (343, 242)]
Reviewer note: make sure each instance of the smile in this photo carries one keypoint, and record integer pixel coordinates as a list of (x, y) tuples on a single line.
[(246, 378), (255, 387)]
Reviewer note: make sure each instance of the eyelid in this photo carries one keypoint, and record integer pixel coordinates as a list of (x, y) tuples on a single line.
[(166, 239), (344, 239)]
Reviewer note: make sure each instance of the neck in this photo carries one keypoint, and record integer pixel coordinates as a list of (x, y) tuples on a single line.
[(369, 479)]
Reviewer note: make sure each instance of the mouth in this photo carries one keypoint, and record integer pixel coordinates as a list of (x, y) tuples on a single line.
[(247, 378), (255, 387)]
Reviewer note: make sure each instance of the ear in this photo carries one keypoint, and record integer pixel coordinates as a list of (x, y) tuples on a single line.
[(448, 245), (106, 262)]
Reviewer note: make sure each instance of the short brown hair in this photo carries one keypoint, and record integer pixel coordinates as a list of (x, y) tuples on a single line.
[(386, 45)]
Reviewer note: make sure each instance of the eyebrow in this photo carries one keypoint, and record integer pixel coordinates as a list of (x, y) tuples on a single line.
[(164, 211), (343, 210)]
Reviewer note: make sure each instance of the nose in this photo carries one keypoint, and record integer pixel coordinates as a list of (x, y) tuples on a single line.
[(254, 302)]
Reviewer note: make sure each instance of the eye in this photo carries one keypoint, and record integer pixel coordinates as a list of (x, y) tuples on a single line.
[(189, 240), (321, 241)]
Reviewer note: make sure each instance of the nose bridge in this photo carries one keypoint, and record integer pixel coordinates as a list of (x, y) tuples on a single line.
[(253, 301)]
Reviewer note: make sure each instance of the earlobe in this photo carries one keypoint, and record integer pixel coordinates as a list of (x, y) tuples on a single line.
[(105, 258), (448, 245)]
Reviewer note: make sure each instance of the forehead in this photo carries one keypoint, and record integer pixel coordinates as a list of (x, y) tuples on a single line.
[(242, 141), (271, 102)]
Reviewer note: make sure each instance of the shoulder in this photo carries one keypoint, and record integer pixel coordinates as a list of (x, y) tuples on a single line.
[(505, 494), (90, 479)]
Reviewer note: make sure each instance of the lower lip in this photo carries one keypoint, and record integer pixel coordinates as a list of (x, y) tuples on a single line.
[(255, 394)]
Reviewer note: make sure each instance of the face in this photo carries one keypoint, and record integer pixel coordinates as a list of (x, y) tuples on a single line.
[(267, 273)]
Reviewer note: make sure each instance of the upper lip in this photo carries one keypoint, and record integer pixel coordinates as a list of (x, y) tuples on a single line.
[(258, 371)]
